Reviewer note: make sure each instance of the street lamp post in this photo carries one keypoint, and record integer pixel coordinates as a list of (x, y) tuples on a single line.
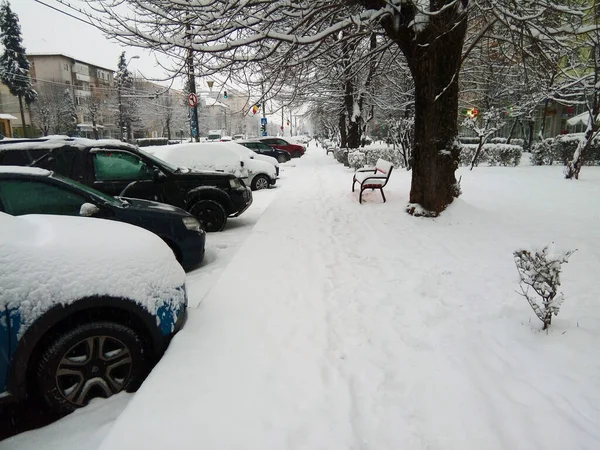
[(119, 88)]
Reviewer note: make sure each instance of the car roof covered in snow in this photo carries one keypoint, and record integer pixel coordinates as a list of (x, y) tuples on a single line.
[(25, 171), (52, 142)]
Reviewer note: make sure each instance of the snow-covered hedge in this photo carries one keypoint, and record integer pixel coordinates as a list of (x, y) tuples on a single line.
[(494, 140), (501, 140), (356, 159), (149, 142), (492, 154), (341, 155), (560, 150)]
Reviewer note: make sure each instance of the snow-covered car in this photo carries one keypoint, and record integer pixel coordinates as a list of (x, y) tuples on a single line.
[(245, 152), (221, 157), (87, 307)]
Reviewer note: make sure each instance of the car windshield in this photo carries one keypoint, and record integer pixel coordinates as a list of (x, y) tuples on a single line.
[(82, 187), (159, 162)]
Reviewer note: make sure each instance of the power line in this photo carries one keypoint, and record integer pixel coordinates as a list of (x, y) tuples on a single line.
[(64, 12)]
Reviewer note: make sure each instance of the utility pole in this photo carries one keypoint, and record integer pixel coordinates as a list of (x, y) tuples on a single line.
[(192, 83)]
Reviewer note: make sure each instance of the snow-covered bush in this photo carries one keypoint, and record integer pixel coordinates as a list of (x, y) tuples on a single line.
[(390, 154), (341, 155), (356, 159), (560, 149), (468, 139), (539, 271), (503, 140), (492, 154)]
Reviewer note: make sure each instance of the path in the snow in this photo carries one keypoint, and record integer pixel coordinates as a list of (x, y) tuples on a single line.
[(341, 326)]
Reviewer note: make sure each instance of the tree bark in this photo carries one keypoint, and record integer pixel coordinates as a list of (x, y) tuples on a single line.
[(343, 135), (23, 124), (434, 57)]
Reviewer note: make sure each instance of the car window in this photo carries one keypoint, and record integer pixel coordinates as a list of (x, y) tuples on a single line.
[(115, 165), (281, 142), (264, 148), (269, 141), (36, 197)]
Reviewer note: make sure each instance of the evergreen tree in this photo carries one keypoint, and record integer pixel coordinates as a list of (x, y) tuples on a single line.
[(68, 115), (14, 66), (124, 84)]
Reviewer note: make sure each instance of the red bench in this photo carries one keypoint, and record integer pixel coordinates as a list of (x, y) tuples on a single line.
[(373, 177)]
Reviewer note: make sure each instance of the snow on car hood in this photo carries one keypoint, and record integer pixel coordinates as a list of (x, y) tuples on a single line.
[(50, 260), (204, 156)]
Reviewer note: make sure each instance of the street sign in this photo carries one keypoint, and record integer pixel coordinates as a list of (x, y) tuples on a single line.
[(264, 133), (192, 100), (263, 120)]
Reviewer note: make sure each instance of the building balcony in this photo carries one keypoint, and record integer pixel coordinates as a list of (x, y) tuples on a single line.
[(82, 77)]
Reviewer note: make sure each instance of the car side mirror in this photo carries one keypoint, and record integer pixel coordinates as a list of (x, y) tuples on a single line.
[(88, 210), (157, 175)]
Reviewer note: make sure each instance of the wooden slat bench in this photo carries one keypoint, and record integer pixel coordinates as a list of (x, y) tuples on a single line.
[(373, 177)]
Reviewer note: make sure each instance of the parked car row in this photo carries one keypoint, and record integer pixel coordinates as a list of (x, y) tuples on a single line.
[(89, 304)]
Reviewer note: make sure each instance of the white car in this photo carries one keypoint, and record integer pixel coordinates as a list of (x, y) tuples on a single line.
[(220, 157), (87, 307), (246, 152)]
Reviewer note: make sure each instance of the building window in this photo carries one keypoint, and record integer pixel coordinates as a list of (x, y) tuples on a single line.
[(78, 101), (66, 66)]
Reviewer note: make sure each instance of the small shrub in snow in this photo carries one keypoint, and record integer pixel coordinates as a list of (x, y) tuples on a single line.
[(356, 159), (492, 154), (503, 140), (341, 155), (560, 149), (539, 273)]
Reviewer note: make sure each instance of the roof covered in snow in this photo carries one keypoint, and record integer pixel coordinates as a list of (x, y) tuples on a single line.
[(25, 170)]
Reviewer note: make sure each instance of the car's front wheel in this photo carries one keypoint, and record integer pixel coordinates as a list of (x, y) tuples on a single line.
[(259, 183), (92, 360), (210, 214), (281, 159), (297, 154)]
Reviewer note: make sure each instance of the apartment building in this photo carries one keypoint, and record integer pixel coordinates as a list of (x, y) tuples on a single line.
[(91, 86)]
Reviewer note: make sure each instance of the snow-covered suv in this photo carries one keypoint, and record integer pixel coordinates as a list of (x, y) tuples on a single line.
[(87, 307)]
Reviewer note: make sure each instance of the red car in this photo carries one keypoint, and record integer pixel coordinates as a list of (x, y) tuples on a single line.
[(295, 150)]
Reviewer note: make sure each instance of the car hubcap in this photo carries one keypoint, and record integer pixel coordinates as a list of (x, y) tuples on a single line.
[(208, 218), (98, 366), (262, 183)]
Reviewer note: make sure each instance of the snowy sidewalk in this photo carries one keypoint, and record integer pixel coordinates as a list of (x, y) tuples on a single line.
[(341, 326)]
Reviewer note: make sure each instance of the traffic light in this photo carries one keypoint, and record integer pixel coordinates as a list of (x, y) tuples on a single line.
[(263, 127), (224, 94)]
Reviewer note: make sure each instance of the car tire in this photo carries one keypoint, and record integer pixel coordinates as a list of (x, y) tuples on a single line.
[(260, 182), (210, 214), (297, 154), (81, 364), (281, 159)]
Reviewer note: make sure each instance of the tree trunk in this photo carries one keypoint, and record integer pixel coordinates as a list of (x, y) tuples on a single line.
[(477, 153), (95, 128), (23, 124), (343, 135), (530, 124), (512, 130), (168, 129), (434, 62), (354, 134)]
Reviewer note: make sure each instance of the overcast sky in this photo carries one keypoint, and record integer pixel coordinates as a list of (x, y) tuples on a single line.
[(47, 31)]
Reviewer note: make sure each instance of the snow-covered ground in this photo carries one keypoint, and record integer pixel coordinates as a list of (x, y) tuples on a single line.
[(333, 325)]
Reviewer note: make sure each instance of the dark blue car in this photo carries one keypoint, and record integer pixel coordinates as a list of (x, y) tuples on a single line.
[(25, 190), (87, 307)]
